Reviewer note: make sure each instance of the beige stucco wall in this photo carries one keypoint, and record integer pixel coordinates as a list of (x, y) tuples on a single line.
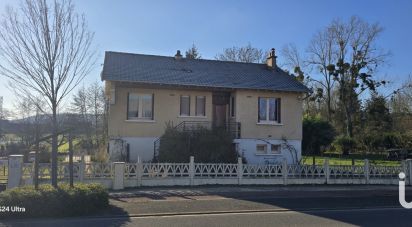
[(167, 108), (291, 115)]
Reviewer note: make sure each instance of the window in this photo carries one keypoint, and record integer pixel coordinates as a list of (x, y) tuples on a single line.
[(269, 110), (275, 149), (200, 106), (139, 106), (261, 148), (184, 105), (232, 106)]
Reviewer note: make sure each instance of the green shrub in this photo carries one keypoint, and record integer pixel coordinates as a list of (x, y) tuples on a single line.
[(379, 142), (47, 201), (345, 144), (207, 146), (317, 133)]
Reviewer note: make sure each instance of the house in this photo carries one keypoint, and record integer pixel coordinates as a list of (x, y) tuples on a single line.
[(259, 103)]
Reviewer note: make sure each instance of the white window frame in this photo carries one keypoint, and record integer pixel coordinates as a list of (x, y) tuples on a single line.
[(261, 152), (180, 106), (140, 107), (267, 121), (204, 106), (277, 151)]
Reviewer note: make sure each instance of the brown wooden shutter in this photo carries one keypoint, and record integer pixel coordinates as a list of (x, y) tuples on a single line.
[(127, 106), (258, 110), (152, 106), (278, 109)]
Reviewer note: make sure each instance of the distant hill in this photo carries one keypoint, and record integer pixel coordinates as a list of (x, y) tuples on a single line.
[(16, 125)]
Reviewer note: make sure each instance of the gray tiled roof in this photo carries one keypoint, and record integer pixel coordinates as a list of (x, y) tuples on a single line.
[(163, 70)]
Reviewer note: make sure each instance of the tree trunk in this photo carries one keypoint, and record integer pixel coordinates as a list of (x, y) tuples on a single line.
[(36, 164), (328, 101), (54, 147), (71, 159), (349, 127)]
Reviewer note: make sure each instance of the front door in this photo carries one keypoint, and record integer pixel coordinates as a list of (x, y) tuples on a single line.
[(219, 119)]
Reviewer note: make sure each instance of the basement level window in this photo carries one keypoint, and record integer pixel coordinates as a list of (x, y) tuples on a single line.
[(261, 148), (275, 148)]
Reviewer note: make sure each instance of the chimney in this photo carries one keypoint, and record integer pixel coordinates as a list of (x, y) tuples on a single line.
[(178, 56), (271, 60)]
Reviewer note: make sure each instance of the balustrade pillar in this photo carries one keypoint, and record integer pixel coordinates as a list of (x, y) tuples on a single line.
[(118, 181), (239, 170), (15, 171), (285, 171), (192, 170), (139, 171), (327, 170), (409, 170), (366, 169)]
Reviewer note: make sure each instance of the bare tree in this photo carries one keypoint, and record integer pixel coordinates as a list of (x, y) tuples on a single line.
[(30, 119), (2, 118), (357, 60), (401, 98), (46, 50), (79, 103), (292, 57), (246, 54), (96, 103), (323, 52), (89, 104), (193, 53)]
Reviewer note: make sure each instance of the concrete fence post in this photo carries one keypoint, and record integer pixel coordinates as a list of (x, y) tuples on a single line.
[(15, 171), (366, 169), (192, 170), (327, 170), (82, 170), (285, 171), (239, 170), (409, 170), (118, 181), (404, 169), (139, 171)]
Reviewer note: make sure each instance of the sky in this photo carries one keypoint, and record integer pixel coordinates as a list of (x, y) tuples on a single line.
[(162, 27)]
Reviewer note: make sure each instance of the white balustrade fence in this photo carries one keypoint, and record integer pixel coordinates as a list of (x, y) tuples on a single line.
[(119, 175)]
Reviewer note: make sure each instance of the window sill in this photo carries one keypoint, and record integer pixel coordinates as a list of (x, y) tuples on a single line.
[(257, 154), (205, 117), (141, 121), (269, 123)]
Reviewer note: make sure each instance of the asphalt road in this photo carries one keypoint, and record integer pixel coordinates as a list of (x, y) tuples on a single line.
[(246, 206), (354, 217)]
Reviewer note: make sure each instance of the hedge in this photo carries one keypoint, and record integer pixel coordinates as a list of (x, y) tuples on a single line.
[(47, 201)]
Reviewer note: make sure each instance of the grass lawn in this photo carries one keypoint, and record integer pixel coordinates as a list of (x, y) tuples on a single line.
[(3, 174), (65, 147), (334, 159)]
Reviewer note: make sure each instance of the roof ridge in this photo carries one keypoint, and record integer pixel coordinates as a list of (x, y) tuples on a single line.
[(202, 59)]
